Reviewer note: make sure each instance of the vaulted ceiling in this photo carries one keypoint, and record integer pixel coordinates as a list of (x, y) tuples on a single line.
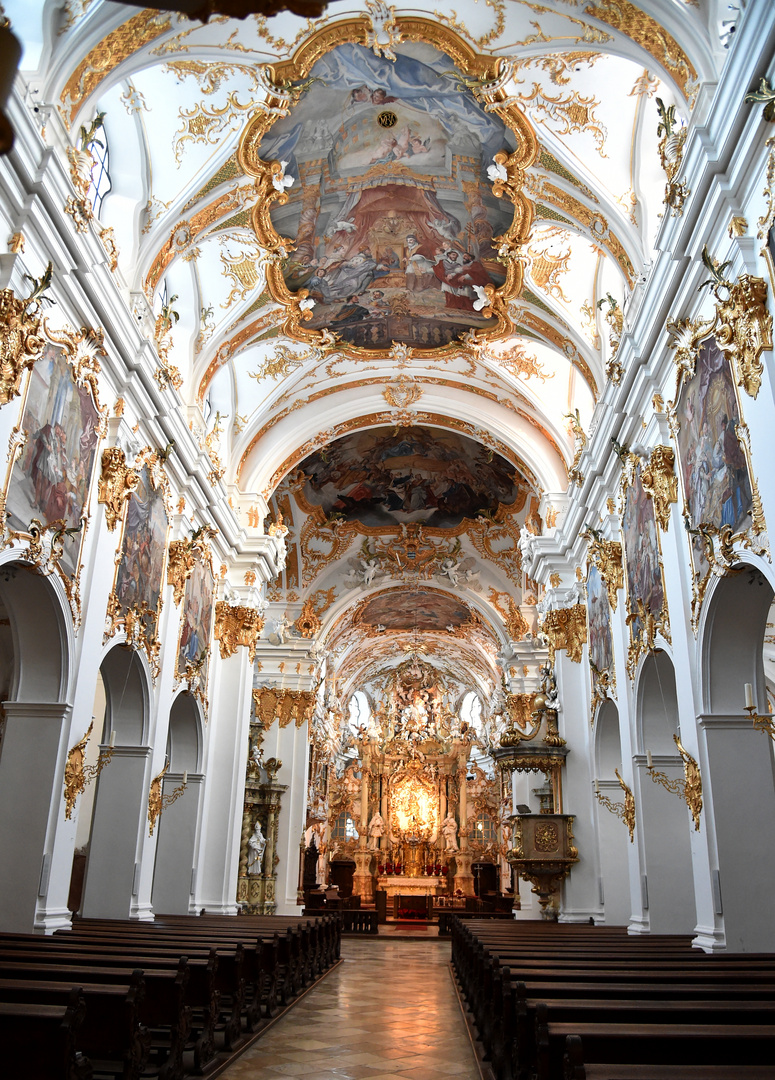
[(178, 97)]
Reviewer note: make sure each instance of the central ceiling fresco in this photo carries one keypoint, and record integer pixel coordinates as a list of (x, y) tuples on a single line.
[(420, 475), (381, 177)]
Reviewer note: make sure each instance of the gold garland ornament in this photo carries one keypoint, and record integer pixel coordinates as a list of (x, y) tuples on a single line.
[(158, 802), (117, 482), (77, 775), (624, 811), (20, 342), (235, 626), (689, 789)]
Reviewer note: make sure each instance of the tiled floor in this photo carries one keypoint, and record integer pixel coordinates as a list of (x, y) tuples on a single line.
[(388, 1012)]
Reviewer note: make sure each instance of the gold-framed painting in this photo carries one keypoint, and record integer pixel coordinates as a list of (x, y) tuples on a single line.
[(721, 504), (600, 638), (390, 189), (135, 602), (196, 631), (52, 454), (644, 580)]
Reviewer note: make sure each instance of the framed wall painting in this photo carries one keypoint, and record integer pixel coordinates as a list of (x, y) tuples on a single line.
[(721, 504), (644, 581), (601, 650), (52, 457), (196, 630), (136, 600)]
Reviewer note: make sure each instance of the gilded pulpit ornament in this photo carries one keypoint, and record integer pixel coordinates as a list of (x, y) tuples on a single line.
[(183, 556), (116, 484), (20, 341), (606, 555), (235, 626), (671, 152), (393, 233), (566, 629), (661, 483)]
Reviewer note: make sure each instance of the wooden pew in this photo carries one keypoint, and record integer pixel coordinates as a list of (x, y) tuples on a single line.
[(575, 1068), (39, 1041)]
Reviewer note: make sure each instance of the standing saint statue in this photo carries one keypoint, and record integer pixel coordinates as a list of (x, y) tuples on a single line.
[(449, 832), (376, 830), (256, 846)]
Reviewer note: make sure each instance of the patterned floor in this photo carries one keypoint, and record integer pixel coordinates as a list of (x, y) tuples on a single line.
[(388, 1012)]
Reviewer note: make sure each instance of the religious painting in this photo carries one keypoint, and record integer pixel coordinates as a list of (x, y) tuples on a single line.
[(392, 477), (384, 191), (713, 467), (51, 478), (646, 604), (601, 652), (196, 623), (143, 546), (414, 609)]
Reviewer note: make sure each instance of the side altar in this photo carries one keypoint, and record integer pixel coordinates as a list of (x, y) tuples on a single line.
[(402, 885)]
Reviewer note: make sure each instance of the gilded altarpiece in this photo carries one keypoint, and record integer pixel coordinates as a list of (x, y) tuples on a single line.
[(721, 504), (646, 602), (601, 653), (51, 457), (196, 631), (136, 599)]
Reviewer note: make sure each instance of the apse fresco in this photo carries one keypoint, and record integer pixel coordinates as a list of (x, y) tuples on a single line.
[(51, 478), (601, 651), (393, 218), (641, 545), (139, 578), (387, 476), (414, 609), (714, 471), (196, 624)]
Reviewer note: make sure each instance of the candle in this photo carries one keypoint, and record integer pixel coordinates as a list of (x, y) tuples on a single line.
[(185, 778), (748, 695), (113, 738), (597, 788), (649, 760)]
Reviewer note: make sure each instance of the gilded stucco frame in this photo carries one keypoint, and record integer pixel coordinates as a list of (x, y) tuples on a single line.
[(484, 72), (191, 678), (132, 620), (719, 541), (644, 641), (603, 683), (81, 350)]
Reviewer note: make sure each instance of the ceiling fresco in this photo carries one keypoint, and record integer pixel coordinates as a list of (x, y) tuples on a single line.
[(391, 210), (414, 609), (384, 477), (370, 159)]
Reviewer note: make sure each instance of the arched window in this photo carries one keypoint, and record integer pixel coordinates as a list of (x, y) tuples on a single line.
[(344, 828), (485, 828), (359, 710), (100, 172)]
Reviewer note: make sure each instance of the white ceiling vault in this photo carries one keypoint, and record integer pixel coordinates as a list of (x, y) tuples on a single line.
[(177, 96)]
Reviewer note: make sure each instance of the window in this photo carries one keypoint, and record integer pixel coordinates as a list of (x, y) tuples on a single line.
[(344, 828), (100, 174), (485, 829)]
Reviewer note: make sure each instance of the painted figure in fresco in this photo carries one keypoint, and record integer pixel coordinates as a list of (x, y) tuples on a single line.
[(420, 261), (256, 847), (449, 832), (352, 276)]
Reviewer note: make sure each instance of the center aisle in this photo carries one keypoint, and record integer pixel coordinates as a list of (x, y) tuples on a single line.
[(388, 1012)]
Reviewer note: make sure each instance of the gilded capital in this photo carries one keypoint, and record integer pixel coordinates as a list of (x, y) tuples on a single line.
[(566, 629), (117, 482), (236, 626), (661, 483)]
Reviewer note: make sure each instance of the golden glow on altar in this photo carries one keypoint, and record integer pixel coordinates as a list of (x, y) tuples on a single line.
[(415, 808)]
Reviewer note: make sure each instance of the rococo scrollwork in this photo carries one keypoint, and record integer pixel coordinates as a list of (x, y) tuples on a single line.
[(284, 705), (606, 555), (20, 341), (566, 629), (661, 483), (117, 482), (236, 626), (183, 555)]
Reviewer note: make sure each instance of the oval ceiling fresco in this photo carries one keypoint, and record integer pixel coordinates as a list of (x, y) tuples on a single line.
[(378, 174), (414, 609), (389, 476)]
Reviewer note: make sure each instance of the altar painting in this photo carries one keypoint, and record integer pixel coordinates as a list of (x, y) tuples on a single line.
[(713, 465), (645, 586), (410, 609), (388, 476), (51, 478), (143, 546), (197, 622), (391, 212)]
